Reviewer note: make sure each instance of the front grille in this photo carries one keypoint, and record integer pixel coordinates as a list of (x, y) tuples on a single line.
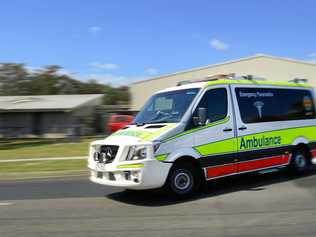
[(108, 153)]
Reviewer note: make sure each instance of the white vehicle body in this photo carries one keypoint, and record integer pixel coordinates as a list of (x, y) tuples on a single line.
[(231, 143)]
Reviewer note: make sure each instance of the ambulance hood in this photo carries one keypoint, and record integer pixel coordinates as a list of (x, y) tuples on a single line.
[(147, 132)]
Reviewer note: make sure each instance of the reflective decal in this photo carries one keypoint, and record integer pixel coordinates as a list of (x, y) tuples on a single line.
[(259, 105)]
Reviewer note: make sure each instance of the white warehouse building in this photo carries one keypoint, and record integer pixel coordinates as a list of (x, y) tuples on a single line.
[(270, 67)]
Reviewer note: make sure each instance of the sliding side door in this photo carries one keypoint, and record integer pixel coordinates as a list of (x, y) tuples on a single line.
[(262, 118)]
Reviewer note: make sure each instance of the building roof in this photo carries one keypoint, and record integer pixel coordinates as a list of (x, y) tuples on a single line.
[(45, 102), (230, 62)]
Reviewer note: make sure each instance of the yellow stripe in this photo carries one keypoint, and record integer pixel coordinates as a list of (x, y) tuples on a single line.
[(144, 135), (232, 145), (130, 166), (225, 146), (161, 157), (225, 120), (287, 135)]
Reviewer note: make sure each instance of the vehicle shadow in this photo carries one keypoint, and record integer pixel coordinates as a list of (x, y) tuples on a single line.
[(247, 182)]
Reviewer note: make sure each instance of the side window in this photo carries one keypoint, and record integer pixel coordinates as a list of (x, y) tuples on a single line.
[(267, 105), (215, 101)]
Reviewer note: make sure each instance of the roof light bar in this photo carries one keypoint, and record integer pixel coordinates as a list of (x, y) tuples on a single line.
[(299, 80), (230, 76)]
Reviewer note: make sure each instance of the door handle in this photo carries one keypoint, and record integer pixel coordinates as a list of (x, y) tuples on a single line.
[(227, 129), (242, 128)]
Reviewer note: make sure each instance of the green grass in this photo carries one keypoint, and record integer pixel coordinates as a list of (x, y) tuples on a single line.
[(38, 148), (42, 166)]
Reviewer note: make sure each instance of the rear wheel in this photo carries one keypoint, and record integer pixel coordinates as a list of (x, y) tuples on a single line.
[(299, 162), (183, 180)]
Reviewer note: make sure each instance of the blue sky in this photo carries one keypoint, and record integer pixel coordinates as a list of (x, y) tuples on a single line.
[(117, 42)]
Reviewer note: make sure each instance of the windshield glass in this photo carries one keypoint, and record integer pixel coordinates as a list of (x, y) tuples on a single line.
[(166, 107)]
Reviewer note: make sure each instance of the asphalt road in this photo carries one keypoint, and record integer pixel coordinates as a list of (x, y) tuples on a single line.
[(250, 205)]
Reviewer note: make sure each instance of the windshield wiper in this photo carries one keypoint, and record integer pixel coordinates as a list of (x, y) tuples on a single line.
[(139, 124), (150, 122), (162, 121)]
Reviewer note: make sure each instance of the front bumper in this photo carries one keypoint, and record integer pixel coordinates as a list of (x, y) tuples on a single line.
[(143, 174)]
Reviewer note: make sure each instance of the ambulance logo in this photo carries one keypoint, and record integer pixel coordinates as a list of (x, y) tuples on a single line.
[(259, 105)]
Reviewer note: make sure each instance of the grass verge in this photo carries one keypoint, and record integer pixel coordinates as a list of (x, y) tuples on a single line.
[(38, 148), (42, 166)]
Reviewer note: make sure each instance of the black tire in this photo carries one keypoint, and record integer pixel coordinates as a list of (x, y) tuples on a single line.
[(184, 180), (299, 162)]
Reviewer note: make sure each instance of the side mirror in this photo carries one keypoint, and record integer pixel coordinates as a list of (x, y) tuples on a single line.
[(201, 113)]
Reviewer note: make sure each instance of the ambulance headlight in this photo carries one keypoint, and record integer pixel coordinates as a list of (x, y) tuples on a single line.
[(137, 153)]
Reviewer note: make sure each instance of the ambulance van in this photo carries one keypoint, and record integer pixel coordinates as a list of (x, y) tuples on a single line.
[(221, 126)]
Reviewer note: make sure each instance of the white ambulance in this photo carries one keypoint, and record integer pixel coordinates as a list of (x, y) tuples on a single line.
[(222, 126)]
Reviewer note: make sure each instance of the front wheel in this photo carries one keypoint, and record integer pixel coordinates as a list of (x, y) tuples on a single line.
[(299, 162), (183, 180)]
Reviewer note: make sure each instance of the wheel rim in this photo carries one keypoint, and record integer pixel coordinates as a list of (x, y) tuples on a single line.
[(182, 181), (300, 161)]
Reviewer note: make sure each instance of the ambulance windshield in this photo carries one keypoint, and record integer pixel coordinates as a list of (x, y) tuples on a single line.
[(166, 107)]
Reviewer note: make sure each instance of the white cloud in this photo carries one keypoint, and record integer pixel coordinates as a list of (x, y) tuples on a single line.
[(108, 78), (312, 57), (32, 69), (106, 66), (66, 72), (95, 29), (152, 71), (218, 44), (104, 78)]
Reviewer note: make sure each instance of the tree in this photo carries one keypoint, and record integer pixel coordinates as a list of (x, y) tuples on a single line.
[(15, 79), (117, 96)]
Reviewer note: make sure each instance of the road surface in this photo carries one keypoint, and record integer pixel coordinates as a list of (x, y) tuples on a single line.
[(250, 205)]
